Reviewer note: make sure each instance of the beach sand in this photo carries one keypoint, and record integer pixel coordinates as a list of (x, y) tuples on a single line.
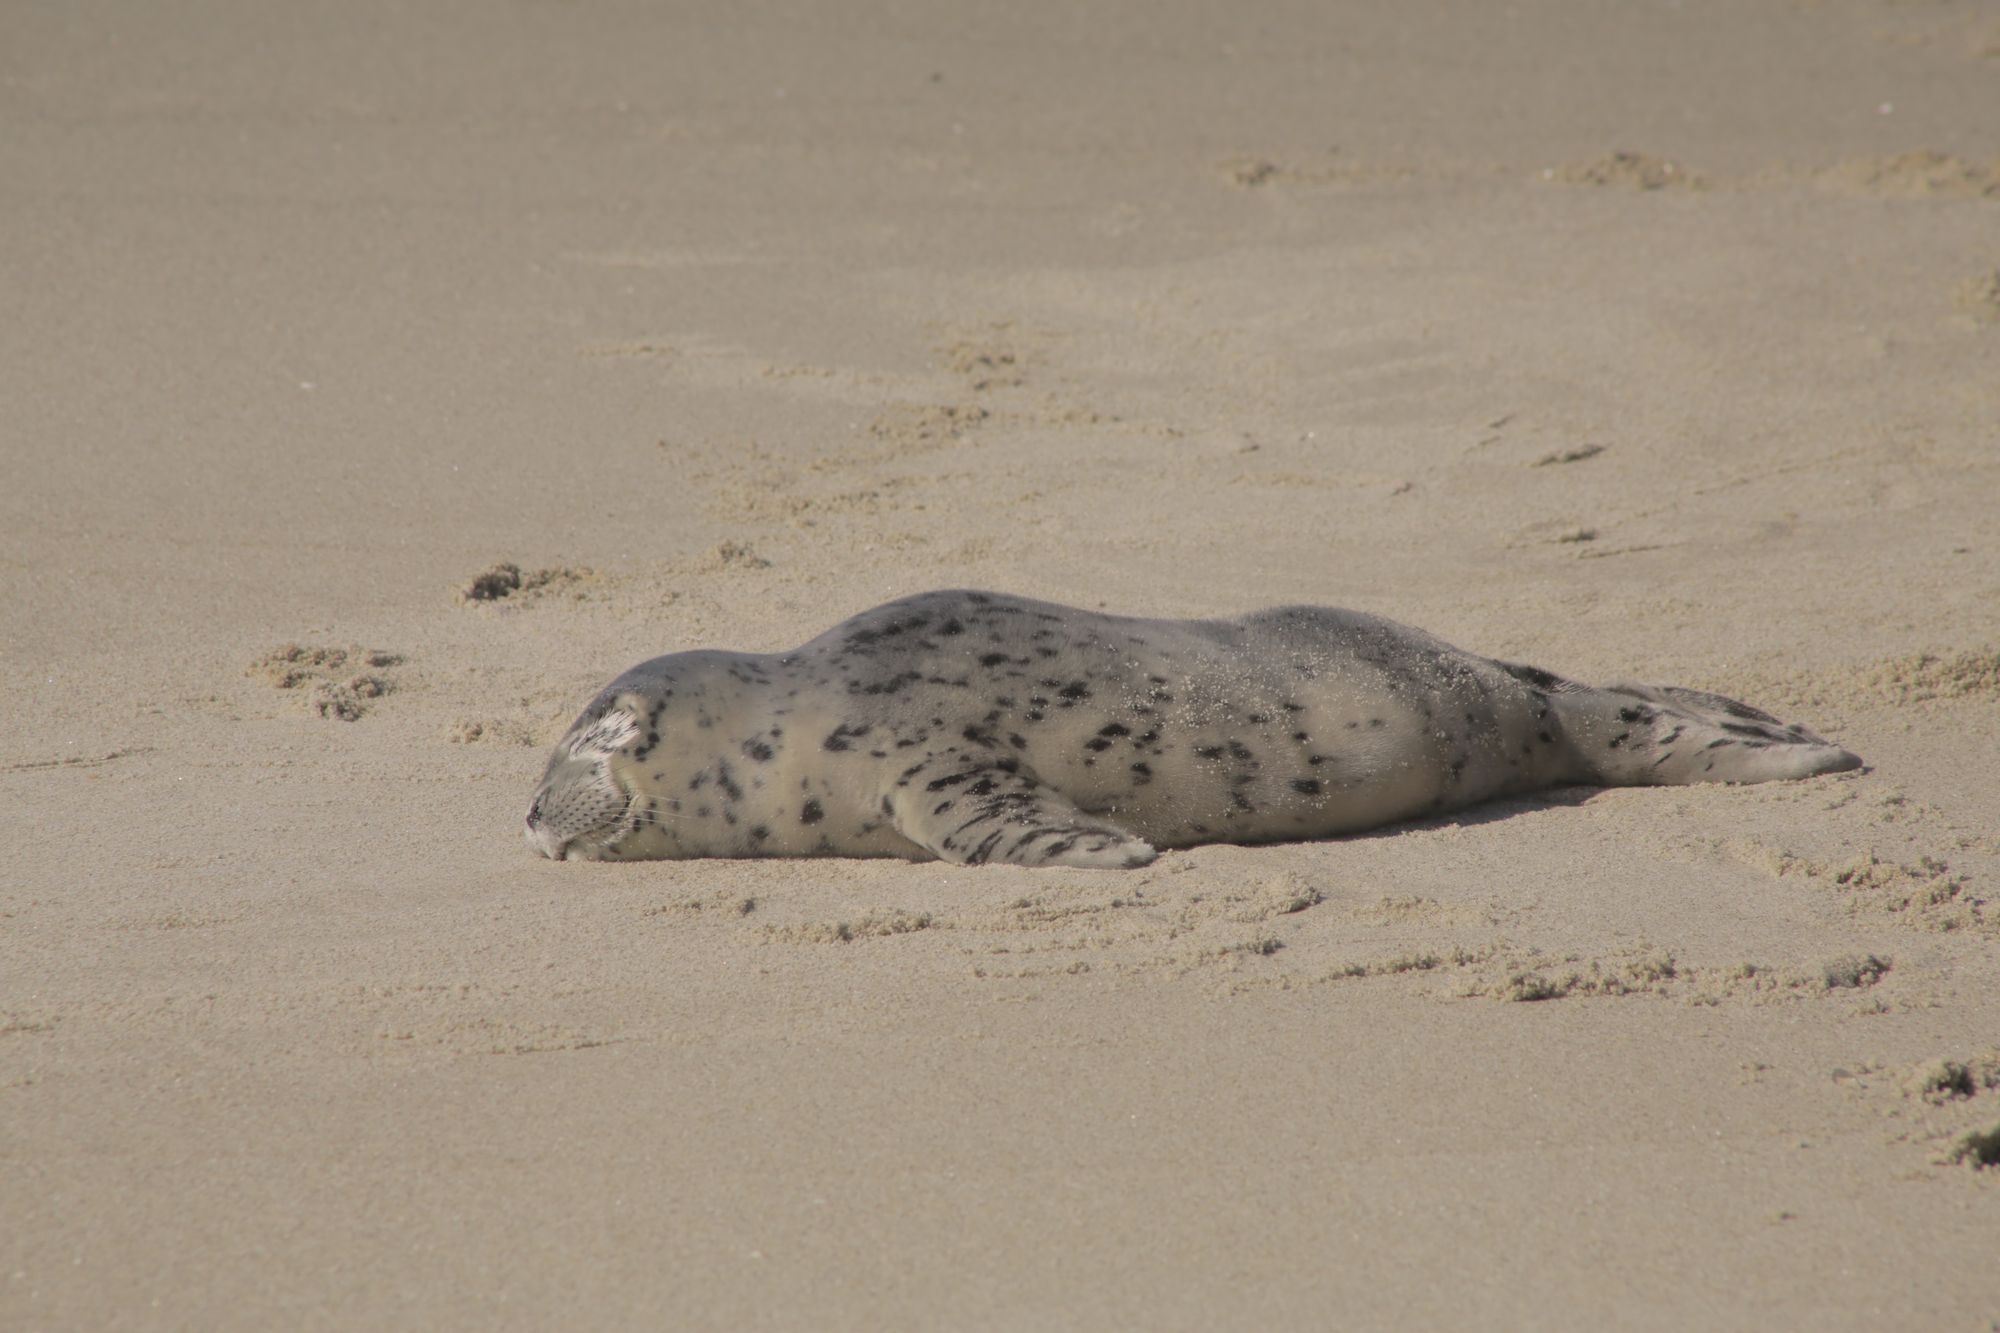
[(1656, 342)]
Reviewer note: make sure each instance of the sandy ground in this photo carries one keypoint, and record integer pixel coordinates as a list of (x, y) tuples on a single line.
[(1655, 341)]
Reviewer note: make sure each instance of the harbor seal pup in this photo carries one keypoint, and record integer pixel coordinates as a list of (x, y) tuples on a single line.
[(974, 727)]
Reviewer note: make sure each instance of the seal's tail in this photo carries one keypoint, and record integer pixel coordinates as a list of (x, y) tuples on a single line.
[(1627, 735)]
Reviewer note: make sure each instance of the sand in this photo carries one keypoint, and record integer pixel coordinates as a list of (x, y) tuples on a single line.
[(381, 379)]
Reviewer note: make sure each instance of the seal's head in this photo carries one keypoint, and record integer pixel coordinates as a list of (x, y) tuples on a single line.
[(580, 806)]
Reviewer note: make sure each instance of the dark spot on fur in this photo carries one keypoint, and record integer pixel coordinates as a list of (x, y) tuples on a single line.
[(1306, 786), (840, 737), (811, 812), (1532, 675), (892, 685), (757, 750)]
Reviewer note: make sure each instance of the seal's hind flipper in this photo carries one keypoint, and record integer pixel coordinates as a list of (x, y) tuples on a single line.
[(972, 808), (1633, 735)]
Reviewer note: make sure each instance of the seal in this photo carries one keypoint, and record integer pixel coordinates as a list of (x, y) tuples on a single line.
[(973, 727)]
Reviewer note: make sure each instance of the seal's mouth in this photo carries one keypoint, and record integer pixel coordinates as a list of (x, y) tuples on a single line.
[(545, 841)]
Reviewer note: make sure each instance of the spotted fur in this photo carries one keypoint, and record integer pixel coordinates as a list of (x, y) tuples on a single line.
[(976, 727)]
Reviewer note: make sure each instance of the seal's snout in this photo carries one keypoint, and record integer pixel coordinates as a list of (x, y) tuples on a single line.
[(541, 838), (547, 843)]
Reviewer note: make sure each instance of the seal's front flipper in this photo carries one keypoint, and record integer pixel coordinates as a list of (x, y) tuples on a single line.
[(1632, 735), (972, 808)]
